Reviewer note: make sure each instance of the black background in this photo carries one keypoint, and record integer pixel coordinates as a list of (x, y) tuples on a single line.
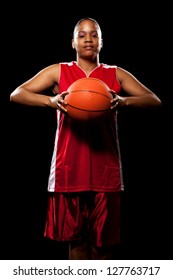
[(136, 38)]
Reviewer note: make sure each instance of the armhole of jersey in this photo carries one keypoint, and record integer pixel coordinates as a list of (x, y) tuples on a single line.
[(60, 65), (118, 82)]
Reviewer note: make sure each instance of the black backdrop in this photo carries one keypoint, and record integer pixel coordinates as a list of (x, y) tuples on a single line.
[(137, 40)]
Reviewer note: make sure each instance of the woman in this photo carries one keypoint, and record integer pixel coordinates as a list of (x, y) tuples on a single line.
[(85, 180)]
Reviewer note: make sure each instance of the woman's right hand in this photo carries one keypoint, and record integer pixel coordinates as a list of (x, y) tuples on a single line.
[(58, 101)]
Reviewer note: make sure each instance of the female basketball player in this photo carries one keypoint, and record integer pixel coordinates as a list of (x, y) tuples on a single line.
[(85, 179)]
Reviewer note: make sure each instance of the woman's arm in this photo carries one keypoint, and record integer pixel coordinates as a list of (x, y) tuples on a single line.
[(32, 92), (138, 95)]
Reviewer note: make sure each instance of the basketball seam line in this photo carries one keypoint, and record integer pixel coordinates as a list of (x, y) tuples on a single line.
[(82, 109), (91, 91)]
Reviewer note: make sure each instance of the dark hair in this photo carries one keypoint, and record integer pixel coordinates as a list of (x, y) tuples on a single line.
[(86, 18)]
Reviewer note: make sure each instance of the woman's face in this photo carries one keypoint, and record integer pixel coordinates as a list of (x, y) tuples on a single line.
[(87, 39)]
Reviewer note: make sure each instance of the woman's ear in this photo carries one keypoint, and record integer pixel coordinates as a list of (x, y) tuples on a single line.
[(73, 46), (102, 43)]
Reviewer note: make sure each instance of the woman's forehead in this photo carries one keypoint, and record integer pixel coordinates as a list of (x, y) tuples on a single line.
[(86, 25)]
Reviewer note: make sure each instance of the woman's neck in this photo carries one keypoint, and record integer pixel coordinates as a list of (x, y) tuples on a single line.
[(87, 65)]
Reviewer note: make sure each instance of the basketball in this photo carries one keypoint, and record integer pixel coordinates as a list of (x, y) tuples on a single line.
[(88, 99)]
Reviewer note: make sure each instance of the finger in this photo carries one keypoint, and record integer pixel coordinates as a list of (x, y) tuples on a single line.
[(63, 94), (59, 105), (115, 102), (112, 92)]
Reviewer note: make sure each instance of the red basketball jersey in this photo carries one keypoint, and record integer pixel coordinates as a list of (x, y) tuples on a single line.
[(86, 157)]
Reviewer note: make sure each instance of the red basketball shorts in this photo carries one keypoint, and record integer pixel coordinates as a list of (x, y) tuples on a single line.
[(91, 215)]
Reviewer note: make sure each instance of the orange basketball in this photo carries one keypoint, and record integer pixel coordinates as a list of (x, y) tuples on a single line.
[(88, 99)]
